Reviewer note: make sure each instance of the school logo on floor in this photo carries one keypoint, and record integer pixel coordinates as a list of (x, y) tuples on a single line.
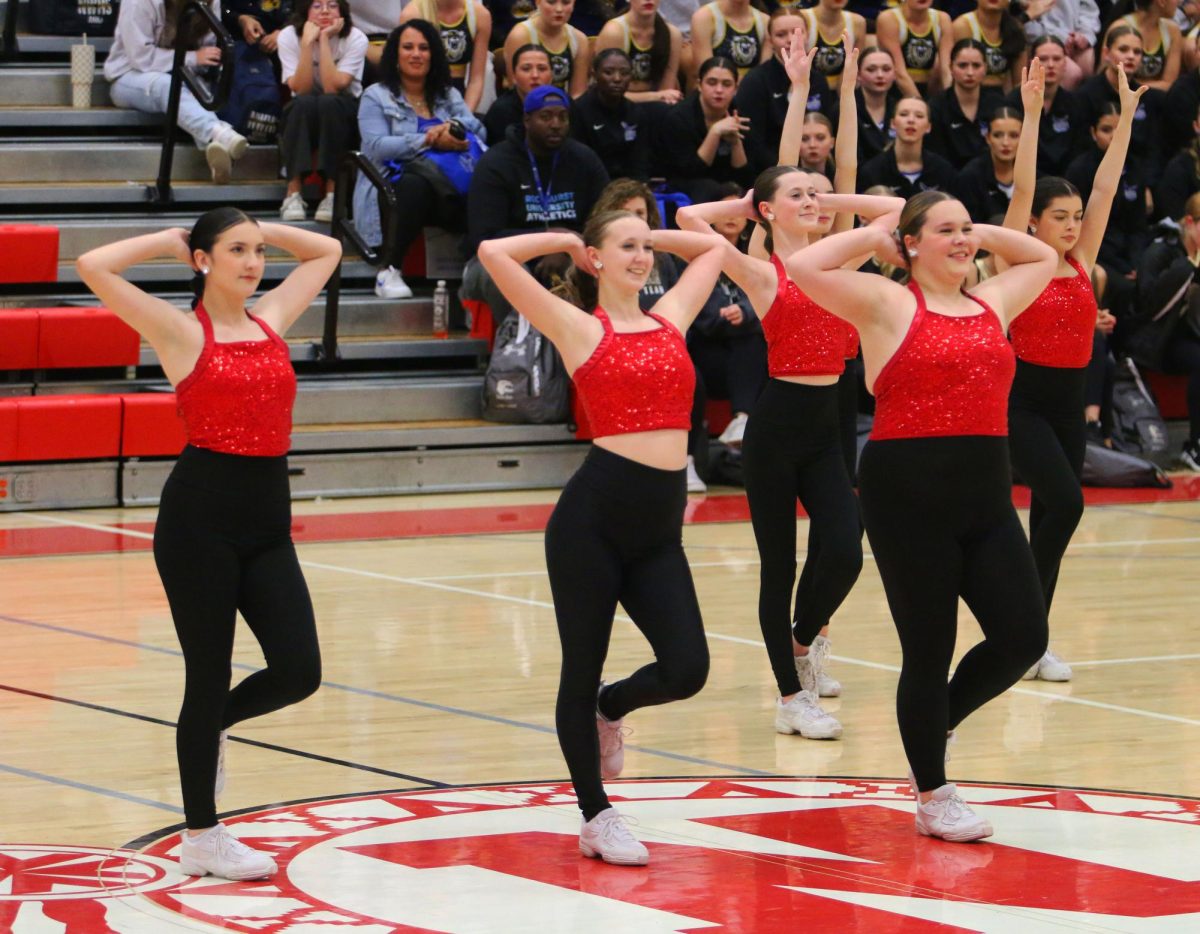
[(735, 855)]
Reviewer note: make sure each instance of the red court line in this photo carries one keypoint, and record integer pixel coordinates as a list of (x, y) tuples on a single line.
[(468, 520)]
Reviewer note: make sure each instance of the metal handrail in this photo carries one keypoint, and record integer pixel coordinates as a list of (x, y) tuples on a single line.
[(8, 41), (209, 99), (343, 229)]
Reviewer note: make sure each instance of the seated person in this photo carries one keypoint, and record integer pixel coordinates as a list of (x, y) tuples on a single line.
[(985, 184), (257, 22), (653, 46), (875, 102), (608, 123), (959, 116), (1180, 179), (569, 50), (530, 69), (377, 19), (465, 27), (907, 167)]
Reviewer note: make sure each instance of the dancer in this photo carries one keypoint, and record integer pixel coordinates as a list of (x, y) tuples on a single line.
[(1053, 339), (616, 533), (934, 479), (222, 542)]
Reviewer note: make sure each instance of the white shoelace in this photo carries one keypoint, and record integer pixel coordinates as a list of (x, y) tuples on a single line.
[(614, 831)]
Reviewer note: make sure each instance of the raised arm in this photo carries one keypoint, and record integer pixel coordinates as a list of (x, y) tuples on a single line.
[(845, 146), (797, 62), (704, 254), (756, 277), (319, 257), (1108, 177), (1031, 266), (1033, 86)]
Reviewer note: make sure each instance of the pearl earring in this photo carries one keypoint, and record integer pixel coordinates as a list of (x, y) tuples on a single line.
[(598, 265), (204, 270), (912, 254), (1033, 230), (769, 217)]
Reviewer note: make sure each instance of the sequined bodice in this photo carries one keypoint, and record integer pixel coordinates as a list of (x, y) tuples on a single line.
[(637, 381), (803, 339), (1056, 330), (949, 376), (238, 398)]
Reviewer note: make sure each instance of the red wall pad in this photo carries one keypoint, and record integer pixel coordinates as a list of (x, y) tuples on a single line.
[(18, 339), (76, 337), (151, 425), (8, 431), (55, 428), (28, 253)]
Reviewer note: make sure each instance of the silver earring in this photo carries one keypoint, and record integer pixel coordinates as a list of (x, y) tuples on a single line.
[(912, 253), (769, 217), (1033, 230), (598, 265), (204, 270)]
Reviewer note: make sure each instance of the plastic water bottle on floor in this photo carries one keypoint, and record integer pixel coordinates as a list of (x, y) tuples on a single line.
[(441, 310)]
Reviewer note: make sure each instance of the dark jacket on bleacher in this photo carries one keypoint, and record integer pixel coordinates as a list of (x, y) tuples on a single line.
[(620, 137), (1145, 143), (1062, 133), (976, 187), (1178, 182), (763, 97), (955, 138), (507, 110), (1164, 273), (1126, 235), (936, 173), (873, 138), (271, 14), (1179, 112), (676, 142)]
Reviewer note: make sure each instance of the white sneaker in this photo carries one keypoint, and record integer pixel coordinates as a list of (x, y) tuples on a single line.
[(220, 163), (390, 284), (219, 785), (949, 817), (1049, 668), (612, 743), (324, 213), (806, 671), (734, 431), (293, 208), (803, 715), (1190, 455), (606, 836), (827, 685), (694, 483), (231, 139), (217, 852)]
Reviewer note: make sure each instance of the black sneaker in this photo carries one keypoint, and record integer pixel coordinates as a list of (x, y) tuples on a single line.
[(1095, 433), (1190, 455)]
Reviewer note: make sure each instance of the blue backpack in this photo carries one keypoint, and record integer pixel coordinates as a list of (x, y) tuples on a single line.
[(254, 106)]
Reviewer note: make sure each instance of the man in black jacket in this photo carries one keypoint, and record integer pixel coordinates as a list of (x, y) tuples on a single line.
[(530, 69)]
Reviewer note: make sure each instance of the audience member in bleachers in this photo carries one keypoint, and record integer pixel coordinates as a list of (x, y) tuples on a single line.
[(569, 49), (731, 29), (533, 181), (412, 113), (634, 196), (985, 184), (960, 115), (701, 141), (816, 145), (530, 69), (139, 66), (466, 28), (505, 15), (258, 22), (1180, 179), (875, 102), (1162, 42), (1179, 110), (321, 55), (997, 30), (608, 123), (653, 46), (1167, 275), (831, 31), (907, 167), (1076, 25), (1061, 133), (377, 19), (918, 40)]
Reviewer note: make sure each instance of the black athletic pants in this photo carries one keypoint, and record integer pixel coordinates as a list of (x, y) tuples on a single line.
[(322, 123), (1047, 435), (941, 524), (793, 451), (420, 207), (223, 544), (616, 535)]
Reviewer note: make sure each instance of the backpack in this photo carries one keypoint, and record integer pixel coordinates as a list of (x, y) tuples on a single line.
[(1111, 468), (525, 380), (73, 17), (253, 107), (1138, 426)]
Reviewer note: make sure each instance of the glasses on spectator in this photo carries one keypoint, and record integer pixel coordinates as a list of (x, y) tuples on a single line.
[(330, 7)]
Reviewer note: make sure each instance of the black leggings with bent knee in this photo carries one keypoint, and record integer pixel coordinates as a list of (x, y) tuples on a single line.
[(792, 451), (941, 524), (616, 535), (223, 544)]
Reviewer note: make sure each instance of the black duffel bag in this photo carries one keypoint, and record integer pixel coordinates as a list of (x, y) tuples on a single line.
[(73, 17), (1106, 467)]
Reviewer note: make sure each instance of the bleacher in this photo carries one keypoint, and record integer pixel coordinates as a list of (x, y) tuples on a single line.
[(86, 416)]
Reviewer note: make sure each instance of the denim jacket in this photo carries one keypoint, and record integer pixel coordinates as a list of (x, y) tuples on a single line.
[(388, 126)]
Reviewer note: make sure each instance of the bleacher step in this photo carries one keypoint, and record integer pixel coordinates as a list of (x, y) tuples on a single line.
[(136, 192), (48, 86), (67, 117), (120, 162)]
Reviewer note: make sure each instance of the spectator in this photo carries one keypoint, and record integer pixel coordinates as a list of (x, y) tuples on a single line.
[(465, 27), (321, 55), (832, 32), (628, 194), (875, 101), (960, 115), (653, 46), (701, 140), (410, 113), (1180, 179), (530, 69), (985, 184), (816, 145), (1061, 132), (1179, 108), (1162, 42), (140, 63), (730, 29), (907, 168), (762, 98), (610, 124), (918, 39), (377, 19), (258, 22), (1075, 24), (1003, 40), (506, 14), (569, 50), (542, 180)]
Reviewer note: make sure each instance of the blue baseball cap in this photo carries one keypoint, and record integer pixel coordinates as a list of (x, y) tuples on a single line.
[(546, 95)]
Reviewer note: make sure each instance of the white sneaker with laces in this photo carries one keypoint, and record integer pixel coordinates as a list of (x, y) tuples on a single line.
[(734, 431), (1190, 455), (217, 852), (694, 483), (219, 784), (827, 685), (806, 671), (223, 148), (231, 139), (803, 714), (1049, 668), (324, 214), (612, 735), (606, 836), (948, 817), (293, 208), (390, 284)]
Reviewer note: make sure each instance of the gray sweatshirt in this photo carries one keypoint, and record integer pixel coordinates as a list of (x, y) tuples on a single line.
[(137, 42)]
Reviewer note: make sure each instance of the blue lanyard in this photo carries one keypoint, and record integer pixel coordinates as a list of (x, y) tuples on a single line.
[(543, 193)]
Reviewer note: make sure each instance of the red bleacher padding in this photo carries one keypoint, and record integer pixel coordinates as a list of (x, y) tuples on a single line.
[(28, 253), (76, 337), (151, 426), (8, 430), (54, 428), (18, 339), (1171, 393)]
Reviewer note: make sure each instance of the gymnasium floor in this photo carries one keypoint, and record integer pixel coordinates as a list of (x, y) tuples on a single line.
[(422, 788)]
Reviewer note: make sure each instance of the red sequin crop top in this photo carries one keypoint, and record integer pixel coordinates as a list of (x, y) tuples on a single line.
[(238, 398), (803, 339), (949, 376), (1056, 330), (637, 381)]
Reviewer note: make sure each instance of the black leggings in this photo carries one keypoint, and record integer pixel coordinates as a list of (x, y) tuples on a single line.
[(1047, 435), (617, 535), (222, 544), (793, 450), (1183, 356), (421, 206), (941, 524)]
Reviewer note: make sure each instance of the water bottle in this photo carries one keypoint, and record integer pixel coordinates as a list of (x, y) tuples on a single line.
[(441, 310)]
